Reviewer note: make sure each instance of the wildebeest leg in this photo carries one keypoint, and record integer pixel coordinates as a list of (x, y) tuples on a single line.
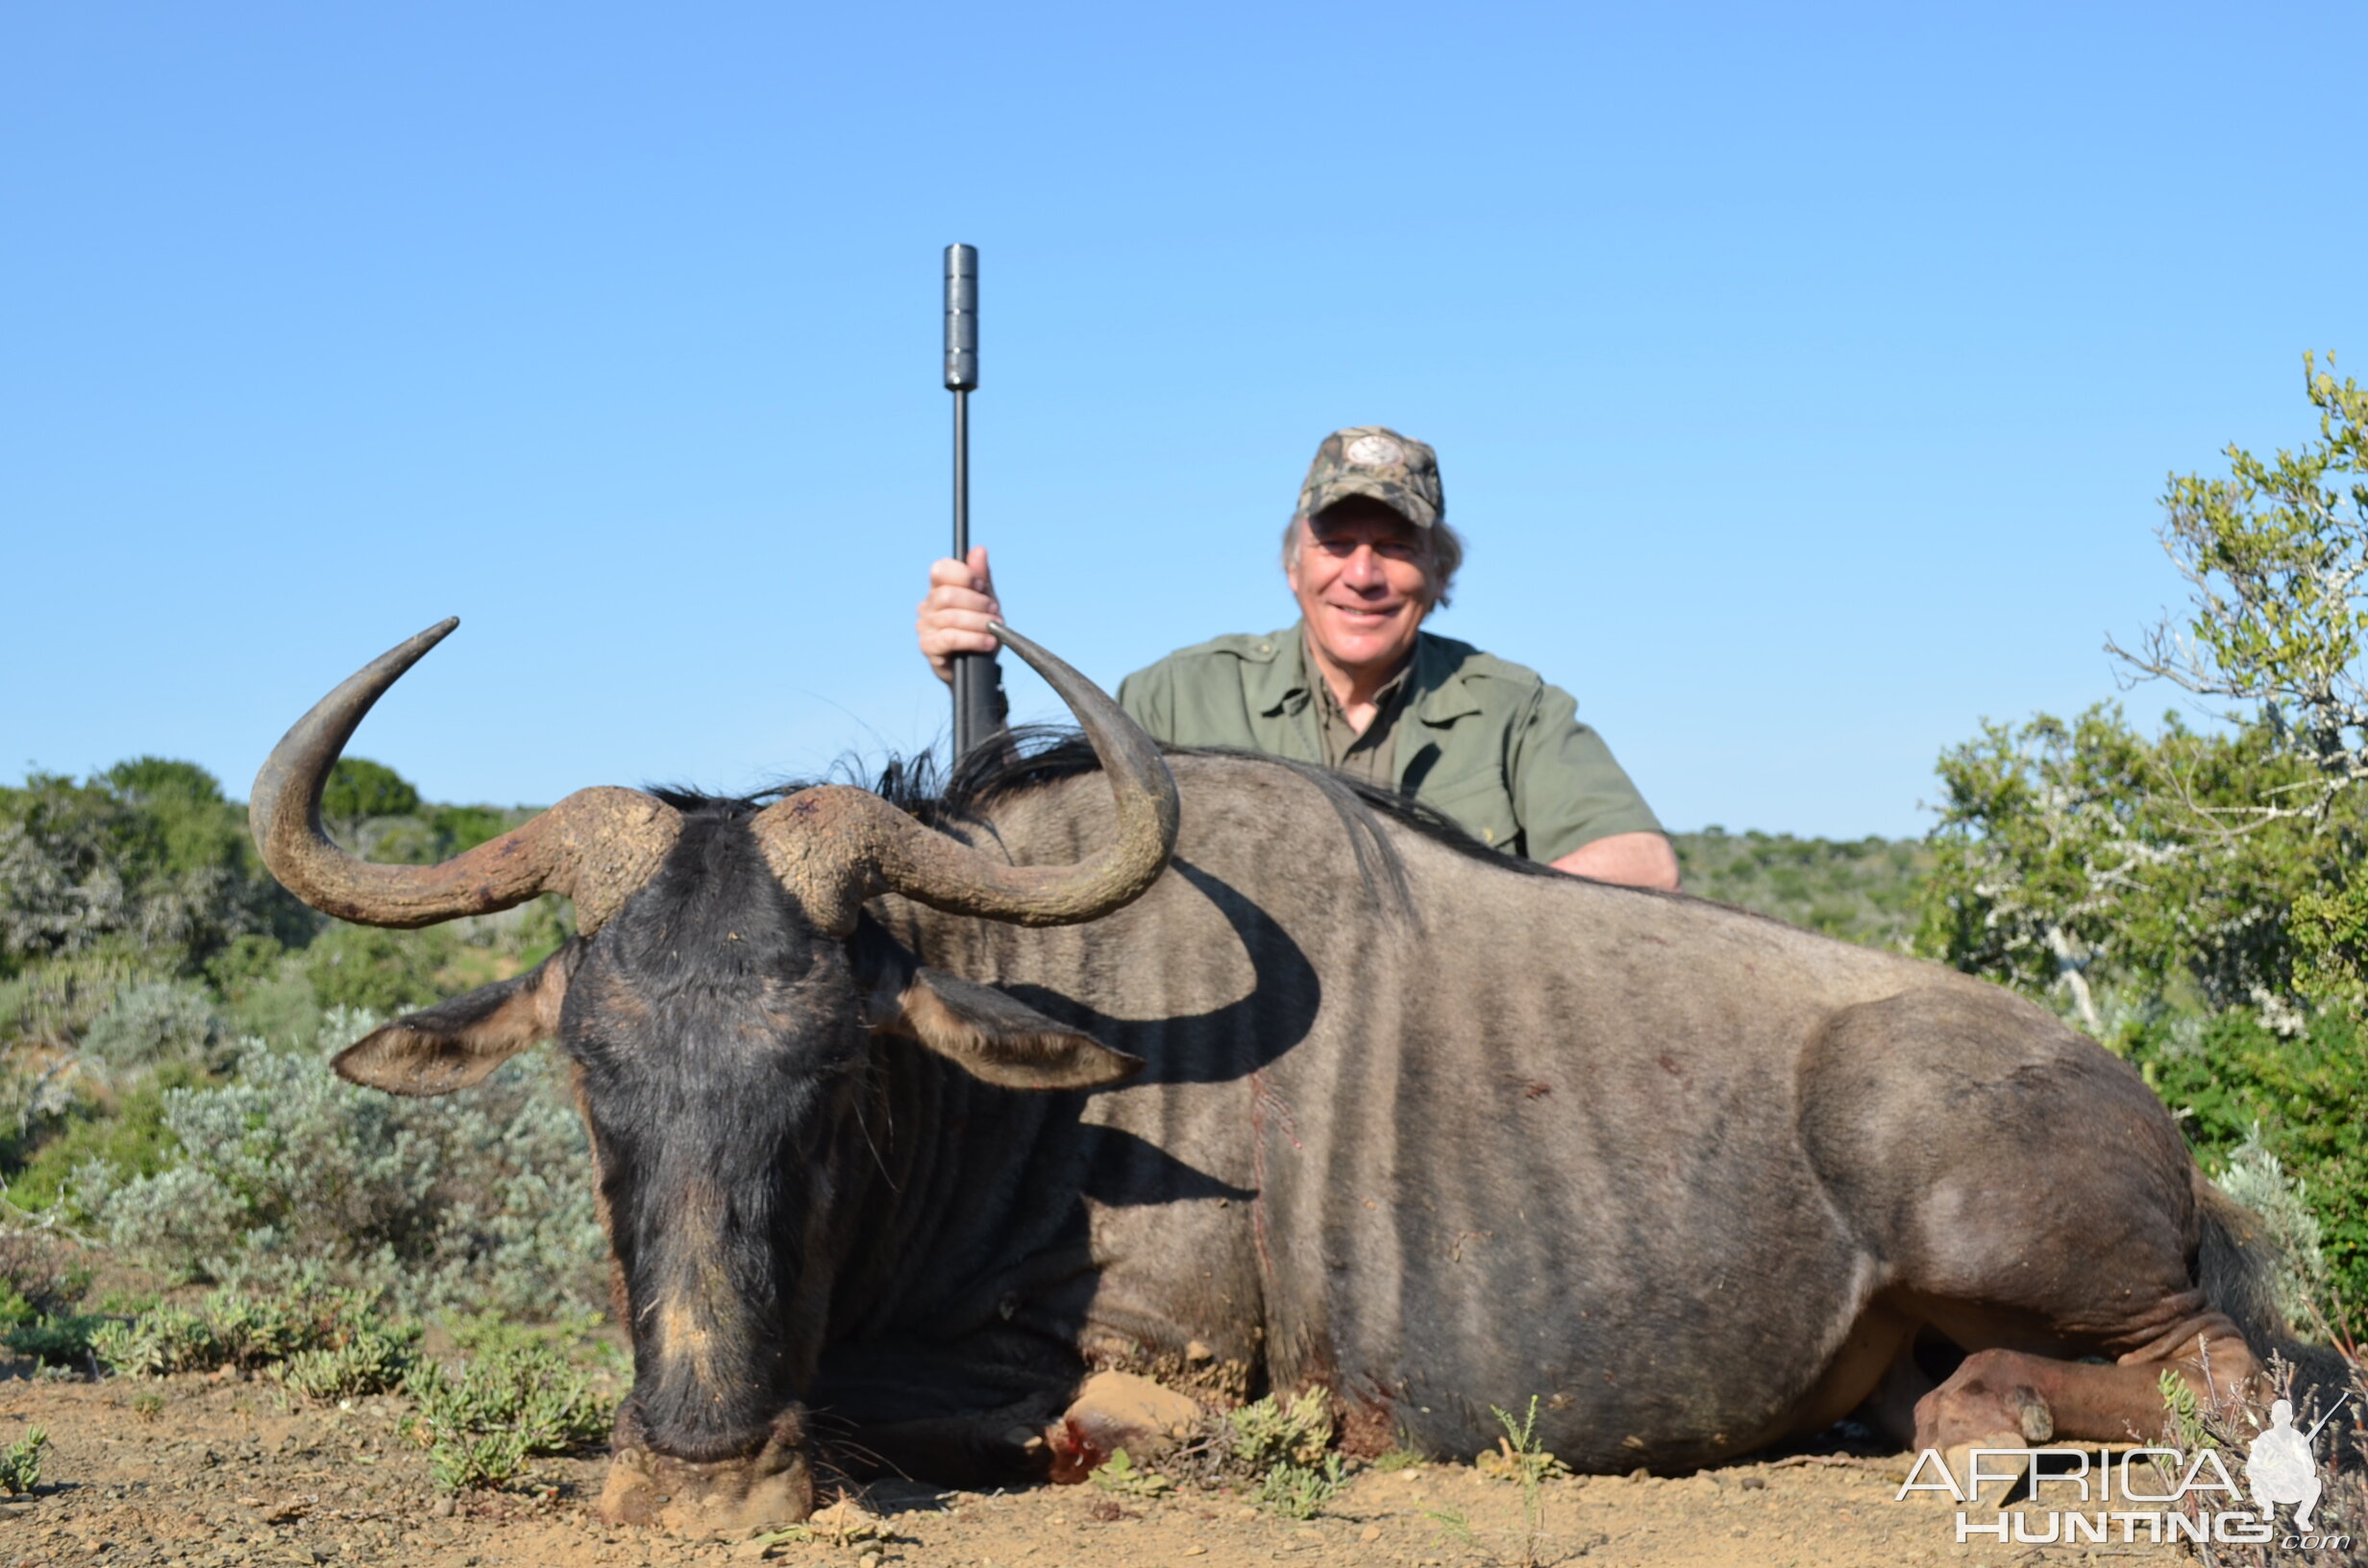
[(1891, 1410), (2034, 1203), (2038, 1399)]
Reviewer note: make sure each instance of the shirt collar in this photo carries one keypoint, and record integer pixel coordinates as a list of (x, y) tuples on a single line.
[(1278, 680)]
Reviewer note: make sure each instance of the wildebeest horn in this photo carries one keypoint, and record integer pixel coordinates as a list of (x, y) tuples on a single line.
[(597, 845), (836, 847)]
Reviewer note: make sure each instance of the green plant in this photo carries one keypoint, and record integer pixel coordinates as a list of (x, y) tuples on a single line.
[(1268, 1432), (232, 1327), (1520, 1457), (1299, 1491), (369, 1363), (1396, 1459), (474, 1201), (2188, 1429), (498, 1410), (476, 1459), (62, 1340), (169, 1339), (1120, 1474), (20, 1462), (148, 1407)]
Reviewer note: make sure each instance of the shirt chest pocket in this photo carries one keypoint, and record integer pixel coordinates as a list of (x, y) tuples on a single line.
[(1477, 800)]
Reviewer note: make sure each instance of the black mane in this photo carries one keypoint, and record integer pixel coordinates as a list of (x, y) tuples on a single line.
[(1035, 755)]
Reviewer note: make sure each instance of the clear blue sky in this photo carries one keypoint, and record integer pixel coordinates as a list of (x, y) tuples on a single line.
[(1804, 377)]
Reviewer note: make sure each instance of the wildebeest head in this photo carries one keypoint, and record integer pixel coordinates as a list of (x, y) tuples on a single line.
[(718, 1017)]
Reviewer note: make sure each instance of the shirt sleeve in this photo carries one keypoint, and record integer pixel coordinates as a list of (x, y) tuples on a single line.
[(1567, 789), (1147, 701)]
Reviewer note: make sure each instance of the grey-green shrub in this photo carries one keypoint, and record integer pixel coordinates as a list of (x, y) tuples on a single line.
[(371, 1362), (154, 1021), (483, 1422), (478, 1200), (20, 1462)]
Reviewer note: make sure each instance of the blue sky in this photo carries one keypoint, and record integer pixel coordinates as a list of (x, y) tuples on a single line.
[(1803, 379)]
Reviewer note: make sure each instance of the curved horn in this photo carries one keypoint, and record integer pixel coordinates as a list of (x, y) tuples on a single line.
[(597, 845), (836, 846)]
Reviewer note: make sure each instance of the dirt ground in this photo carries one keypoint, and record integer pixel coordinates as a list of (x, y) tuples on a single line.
[(199, 1471)]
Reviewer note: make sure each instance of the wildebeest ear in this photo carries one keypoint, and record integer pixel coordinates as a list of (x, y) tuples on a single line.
[(1002, 1042), (455, 1043)]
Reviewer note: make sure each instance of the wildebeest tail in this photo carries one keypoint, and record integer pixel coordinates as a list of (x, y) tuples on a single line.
[(2236, 1264)]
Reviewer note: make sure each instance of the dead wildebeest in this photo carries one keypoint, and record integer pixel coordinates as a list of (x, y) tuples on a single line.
[(1400, 1117)]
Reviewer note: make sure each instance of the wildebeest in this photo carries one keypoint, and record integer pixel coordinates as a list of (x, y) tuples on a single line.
[(1219, 1071)]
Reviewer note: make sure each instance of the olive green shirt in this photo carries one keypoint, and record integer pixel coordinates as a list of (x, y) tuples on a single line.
[(1475, 738)]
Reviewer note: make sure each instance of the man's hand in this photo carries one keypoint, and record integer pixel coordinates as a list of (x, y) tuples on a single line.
[(954, 618), (1633, 860)]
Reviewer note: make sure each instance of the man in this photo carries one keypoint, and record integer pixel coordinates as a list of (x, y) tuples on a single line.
[(1359, 686)]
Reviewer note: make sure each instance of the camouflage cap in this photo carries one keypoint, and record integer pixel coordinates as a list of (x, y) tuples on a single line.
[(1374, 460)]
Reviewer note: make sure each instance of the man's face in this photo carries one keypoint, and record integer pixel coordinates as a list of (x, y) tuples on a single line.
[(1362, 581)]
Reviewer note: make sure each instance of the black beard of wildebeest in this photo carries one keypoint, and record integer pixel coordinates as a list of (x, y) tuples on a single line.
[(930, 1126)]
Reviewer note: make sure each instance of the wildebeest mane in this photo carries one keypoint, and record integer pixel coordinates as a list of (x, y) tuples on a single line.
[(1036, 755)]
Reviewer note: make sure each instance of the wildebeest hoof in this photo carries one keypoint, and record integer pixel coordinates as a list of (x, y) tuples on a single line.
[(1115, 1411), (2001, 1472), (772, 1488)]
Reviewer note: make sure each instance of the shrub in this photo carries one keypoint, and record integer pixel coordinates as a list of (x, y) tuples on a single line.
[(166, 1339), (153, 1020), (1268, 1433), (61, 1340), (481, 1424), (371, 970), (1122, 1475), (1299, 1491), (40, 1276), (2303, 1101), (476, 1200), (232, 1327), (371, 1362), (20, 1462)]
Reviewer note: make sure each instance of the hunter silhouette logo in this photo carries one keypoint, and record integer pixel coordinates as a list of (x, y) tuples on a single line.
[(2280, 1467)]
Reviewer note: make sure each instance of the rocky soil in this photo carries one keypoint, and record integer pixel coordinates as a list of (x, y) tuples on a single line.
[(204, 1471)]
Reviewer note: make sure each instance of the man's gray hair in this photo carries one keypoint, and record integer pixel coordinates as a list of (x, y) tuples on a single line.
[(1442, 561)]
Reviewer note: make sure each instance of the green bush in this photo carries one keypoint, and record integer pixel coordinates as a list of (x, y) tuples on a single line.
[(359, 789), (2303, 1099), (371, 1362), (153, 1020), (1860, 889), (232, 1327), (480, 1200), (61, 1340), (481, 1423), (20, 1462), (386, 972), (1268, 1432)]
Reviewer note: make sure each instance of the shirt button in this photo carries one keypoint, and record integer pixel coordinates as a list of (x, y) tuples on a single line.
[(1266, 647), (1488, 835)]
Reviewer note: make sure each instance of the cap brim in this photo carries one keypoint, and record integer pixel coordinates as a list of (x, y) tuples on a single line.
[(1396, 497)]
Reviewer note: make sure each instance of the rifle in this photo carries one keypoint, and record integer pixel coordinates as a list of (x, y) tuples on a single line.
[(973, 674)]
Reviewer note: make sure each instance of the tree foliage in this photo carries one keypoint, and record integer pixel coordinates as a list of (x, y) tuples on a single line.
[(2071, 854), (2194, 897)]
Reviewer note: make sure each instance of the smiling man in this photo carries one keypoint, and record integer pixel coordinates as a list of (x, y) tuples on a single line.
[(1358, 685)]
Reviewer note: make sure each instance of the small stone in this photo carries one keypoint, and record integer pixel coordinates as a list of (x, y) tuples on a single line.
[(870, 1559), (1196, 1551), (441, 1508), (1197, 1353), (1754, 1483), (1369, 1535)]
